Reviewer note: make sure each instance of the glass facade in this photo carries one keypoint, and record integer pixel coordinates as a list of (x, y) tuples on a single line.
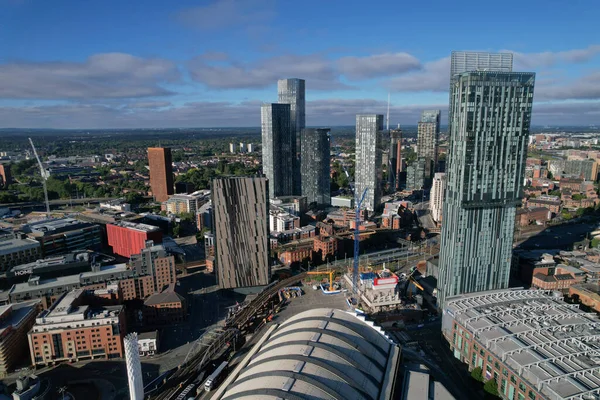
[(277, 148), (485, 171), (428, 132), (368, 170), (315, 166), (292, 92)]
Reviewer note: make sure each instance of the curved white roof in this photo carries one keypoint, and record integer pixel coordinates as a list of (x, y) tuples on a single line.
[(317, 354)]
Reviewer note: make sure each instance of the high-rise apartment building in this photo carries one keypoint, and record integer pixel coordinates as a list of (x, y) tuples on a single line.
[(428, 132), (277, 148), (468, 61), (292, 92), (241, 228), (415, 174), (315, 161), (161, 172), (436, 197), (368, 169), (395, 159), (485, 172)]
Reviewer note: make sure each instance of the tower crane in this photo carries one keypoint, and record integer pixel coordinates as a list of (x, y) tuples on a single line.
[(358, 205), (45, 176)]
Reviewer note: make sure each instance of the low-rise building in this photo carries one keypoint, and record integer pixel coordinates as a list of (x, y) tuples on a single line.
[(533, 344), (535, 215), (148, 343), (71, 331), (552, 203), (280, 221), (15, 321), (327, 245), (295, 205), (129, 238), (186, 203), (63, 235), (296, 253), (342, 201), (164, 308), (14, 251)]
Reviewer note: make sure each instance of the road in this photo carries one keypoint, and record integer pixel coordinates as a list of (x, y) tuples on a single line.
[(59, 202)]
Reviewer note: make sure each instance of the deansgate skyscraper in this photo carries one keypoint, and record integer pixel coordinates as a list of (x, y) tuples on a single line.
[(485, 170), (277, 152), (428, 132), (368, 170), (292, 91), (241, 229), (315, 167)]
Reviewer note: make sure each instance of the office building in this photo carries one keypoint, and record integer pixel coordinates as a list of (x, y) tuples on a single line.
[(49, 267), (318, 354), (15, 321), (129, 238), (531, 342), (280, 221), (368, 171), (485, 173), (292, 92), (14, 251), (469, 61), (186, 203), (436, 196), (295, 205), (428, 132), (315, 166), (63, 235), (395, 159), (277, 151), (161, 173), (73, 330), (241, 228)]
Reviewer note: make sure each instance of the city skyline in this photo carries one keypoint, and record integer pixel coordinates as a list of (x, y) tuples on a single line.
[(210, 65)]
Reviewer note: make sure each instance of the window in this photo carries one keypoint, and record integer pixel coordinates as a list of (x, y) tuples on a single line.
[(522, 386), (504, 372), (531, 395), (512, 379)]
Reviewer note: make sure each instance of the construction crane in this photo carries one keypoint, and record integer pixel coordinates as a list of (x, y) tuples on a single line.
[(321, 273), (359, 203), (45, 176)]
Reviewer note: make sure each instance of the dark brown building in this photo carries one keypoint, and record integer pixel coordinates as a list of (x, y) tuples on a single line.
[(161, 172), (164, 308), (241, 228), (5, 177)]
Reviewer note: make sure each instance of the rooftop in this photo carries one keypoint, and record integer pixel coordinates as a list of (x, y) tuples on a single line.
[(12, 315), (553, 345), (317, 354), (53, 226), (136, 226), (148, 335), (167, 296), (10, 246)]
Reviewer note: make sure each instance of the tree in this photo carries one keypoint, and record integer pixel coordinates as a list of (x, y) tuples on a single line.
[(550, 176), (176, 229), (491, 387), (594, 242), (578, 197), (134, 198), (554, 193), (476, 374), (565, 215)]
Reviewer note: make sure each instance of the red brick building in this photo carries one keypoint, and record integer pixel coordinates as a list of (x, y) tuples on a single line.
[(164, 308), (161, 173), (296, 254), (326, 244), (5, 177), (526, 216), (72, 330), (128, 238)]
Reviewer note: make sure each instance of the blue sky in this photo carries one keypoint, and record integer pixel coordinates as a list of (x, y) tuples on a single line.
[(154, 63)]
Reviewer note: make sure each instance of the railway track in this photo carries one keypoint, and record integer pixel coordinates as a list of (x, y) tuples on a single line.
[(186, 372)]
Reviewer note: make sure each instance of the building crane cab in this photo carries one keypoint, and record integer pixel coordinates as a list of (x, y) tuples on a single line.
[(411, 279), (330, 273), (45, 177)]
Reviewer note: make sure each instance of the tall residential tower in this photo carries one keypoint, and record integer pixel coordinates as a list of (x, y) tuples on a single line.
[(428, 132), (395, 159), (161, 173), (277, 148), (241, 228), (292, 92), (368, 171), (315, 162), (485, 170)]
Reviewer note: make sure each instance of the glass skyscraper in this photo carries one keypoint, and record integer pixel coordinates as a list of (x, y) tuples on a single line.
[(277, 148), (485, 170), (292, 92), (315, 167), (368, 171)]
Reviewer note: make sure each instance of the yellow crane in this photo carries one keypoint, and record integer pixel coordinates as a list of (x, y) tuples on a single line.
[(324, 272)]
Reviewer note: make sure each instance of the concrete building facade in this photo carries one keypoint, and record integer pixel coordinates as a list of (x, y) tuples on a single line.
[(15, 321), (436, 196), (161, 173), (485, 173), (241, 231), (368, 171), (15, 252), (428, 132)]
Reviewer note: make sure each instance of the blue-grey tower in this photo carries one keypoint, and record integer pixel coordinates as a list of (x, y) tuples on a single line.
[(292, 91), (277, 148)]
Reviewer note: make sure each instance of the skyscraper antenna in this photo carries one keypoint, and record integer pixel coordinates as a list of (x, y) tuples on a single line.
[(387, 118)]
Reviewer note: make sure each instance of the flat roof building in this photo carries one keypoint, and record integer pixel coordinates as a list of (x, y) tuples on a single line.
[(534, 344), (129, 238), (161, 173), (18, 251), (318, 354), (64, 234), (15, 321), (186, 203)]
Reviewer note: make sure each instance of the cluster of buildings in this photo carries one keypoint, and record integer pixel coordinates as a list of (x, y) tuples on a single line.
[(243, 148)]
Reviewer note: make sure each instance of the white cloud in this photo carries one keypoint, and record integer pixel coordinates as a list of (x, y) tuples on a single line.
[(547, 59), (434, 77), (227, 14), (108, 75), (377, 65)]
